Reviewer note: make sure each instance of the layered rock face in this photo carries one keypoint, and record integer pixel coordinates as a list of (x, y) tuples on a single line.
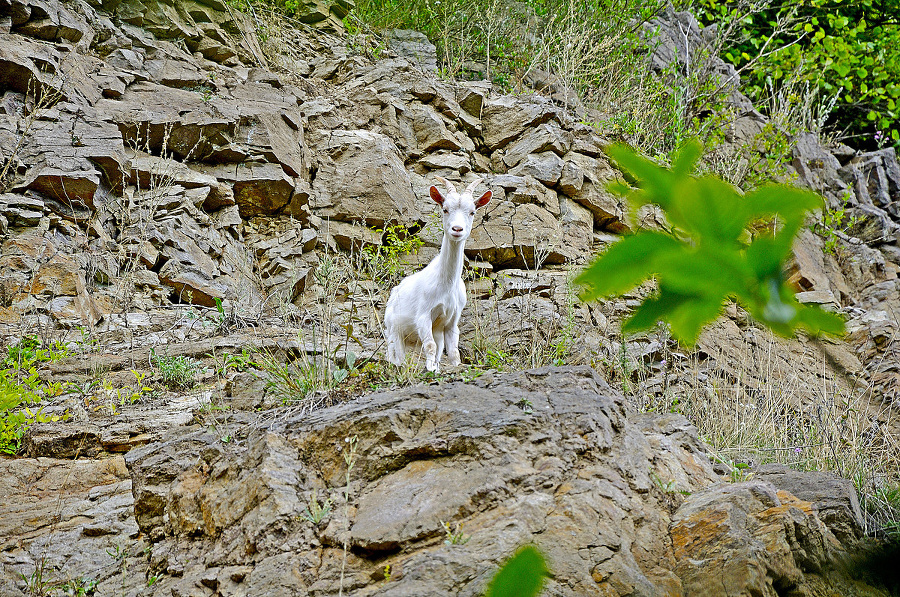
[(621, 504), (134, 167)]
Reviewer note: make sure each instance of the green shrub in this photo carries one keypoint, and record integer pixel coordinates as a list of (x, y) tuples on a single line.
[(385, 261), (21, 389), (848, 50)]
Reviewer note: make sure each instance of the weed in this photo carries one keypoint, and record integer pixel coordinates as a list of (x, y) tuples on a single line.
[(292, 381), (234, 362), (36, 584), (455, 535), (526, 405), (351, 443), (316, 512), (80, 587), (834, 224), (177, 373)]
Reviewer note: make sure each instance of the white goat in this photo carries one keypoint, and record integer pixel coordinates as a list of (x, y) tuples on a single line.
[(425, 307)]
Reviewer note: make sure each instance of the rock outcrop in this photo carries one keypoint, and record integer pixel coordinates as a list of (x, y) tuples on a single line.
[(621, 504)]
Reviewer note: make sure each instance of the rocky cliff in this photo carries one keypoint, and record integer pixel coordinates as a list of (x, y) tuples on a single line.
[(174, 183)]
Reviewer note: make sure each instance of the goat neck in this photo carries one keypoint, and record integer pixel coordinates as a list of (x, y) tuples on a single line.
[(450, 259)]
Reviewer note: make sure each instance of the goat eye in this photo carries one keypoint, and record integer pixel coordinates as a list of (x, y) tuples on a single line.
[(471, 213), (446, 211)]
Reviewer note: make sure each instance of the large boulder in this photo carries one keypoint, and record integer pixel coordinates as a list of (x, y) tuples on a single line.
[(361, 176)]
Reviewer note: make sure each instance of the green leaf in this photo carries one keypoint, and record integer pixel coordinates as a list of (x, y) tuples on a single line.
[(817, 321), (688, 155), (521, 576), (685, 313), (625, 264)]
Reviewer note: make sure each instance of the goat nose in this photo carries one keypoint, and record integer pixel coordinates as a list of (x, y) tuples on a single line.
[(457, 229)]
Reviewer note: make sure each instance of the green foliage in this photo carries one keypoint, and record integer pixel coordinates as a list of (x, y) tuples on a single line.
[(21, 389), (385, 261), (80, 587), (521, 576), (707, 259), (177, 373), (848, 50), (592, 47), (833, 222), (292, 381), (36, 584), (234, 362), (316, 512)]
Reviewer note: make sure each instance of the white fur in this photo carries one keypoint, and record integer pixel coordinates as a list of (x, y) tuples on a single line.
[(425, 307)]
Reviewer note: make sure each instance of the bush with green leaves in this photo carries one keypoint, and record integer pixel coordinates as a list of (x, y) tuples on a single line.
[(848, 50), (709, 256), (385, 261), (177, 373), (21, 389)]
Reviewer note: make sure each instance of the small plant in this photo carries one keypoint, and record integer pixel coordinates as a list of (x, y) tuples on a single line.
[(494, 358), (666, 487), (833, 223), (234, 362), (737, 471), (351, 443), (455, 535), (339, 374), (385, 261), (526, 405), (177, 373), (36, 584), (316, 512), (80, 587), (292, 381)]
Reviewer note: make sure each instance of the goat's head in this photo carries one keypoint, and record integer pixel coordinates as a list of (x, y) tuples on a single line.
[(459, 208)]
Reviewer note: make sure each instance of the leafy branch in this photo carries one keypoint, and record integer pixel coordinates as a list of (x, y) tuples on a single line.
[(709, 257)]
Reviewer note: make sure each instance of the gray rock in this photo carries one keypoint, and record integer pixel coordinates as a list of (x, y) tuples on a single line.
[(506, 118), (546, 167), (413, 45), (361, 177)]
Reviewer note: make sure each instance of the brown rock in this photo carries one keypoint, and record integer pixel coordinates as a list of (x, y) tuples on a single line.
[(61, 440), (259, 188), (756, 539)]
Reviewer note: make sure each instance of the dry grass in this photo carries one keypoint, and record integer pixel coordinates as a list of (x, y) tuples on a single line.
[(765, 401)]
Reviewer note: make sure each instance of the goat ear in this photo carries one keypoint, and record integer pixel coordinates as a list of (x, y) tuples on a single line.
[(436, 195), (483, 200)]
